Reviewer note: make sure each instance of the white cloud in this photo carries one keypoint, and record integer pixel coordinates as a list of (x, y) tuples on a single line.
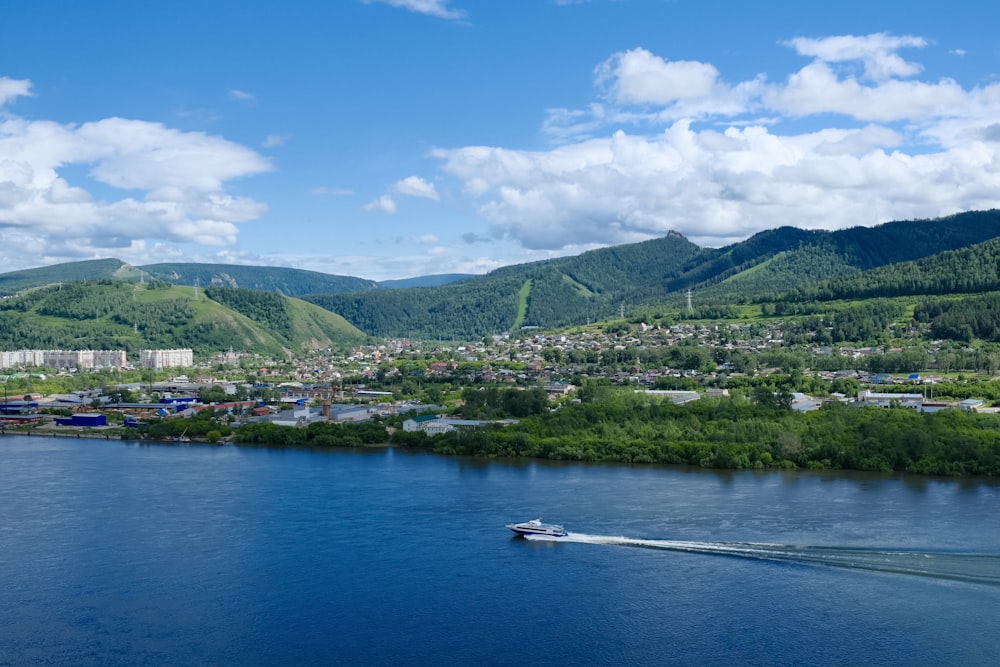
[(11, 89), (275, 141), (437, 8), (385, 204), (828, 147), (323, 191), (242, 95), (163, 184), (414, 186), (816, 89), (639, 77), (876, 52)]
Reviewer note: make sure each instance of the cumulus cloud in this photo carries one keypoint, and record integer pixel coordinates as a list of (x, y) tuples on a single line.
[(11, 89), (639, 77), (165, 183), (437, 8), (877, 53), (853, 137), (414, 186), (385, 204)]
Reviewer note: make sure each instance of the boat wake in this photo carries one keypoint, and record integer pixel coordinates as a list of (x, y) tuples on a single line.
[(968, 567)]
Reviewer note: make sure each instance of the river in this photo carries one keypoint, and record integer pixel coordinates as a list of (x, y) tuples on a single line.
[(123, 553)]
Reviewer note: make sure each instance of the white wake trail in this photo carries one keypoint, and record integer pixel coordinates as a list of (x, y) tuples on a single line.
[(970, 567)]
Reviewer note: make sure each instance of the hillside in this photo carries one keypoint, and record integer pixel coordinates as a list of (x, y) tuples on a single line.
[(550, 293), (287, 281), (602, 283), (781, 259), (435, 280), (968, 270), (120, 315), (94, 269)]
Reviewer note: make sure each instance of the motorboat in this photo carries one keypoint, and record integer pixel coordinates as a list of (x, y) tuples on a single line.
[(536, 527)]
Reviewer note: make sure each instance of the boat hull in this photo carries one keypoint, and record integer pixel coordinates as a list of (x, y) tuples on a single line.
[(537, 528)]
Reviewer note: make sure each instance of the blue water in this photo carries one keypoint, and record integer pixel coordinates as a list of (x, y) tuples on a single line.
[(119, 553)]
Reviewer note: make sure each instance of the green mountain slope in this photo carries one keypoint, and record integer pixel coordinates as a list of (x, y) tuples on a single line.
[(120, 315), (969, 270), (560, 292), (93, 269), (598, 284), (435, 280), (290, 282), (781, 259)]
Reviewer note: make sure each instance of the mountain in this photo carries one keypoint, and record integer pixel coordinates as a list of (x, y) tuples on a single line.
[(602, 283), (290, 282), (970, 270), (779, 264), (778, 260), (435, 280), (111, 314), (93, 269), (549, 293), (283, 280)]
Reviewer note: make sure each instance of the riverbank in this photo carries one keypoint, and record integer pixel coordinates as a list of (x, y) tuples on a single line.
[(111, 433)]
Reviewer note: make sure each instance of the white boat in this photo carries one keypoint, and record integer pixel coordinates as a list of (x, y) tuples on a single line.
[(536, 527)]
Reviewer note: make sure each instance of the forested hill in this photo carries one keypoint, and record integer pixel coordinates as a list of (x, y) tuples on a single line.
[(778, 260), (967, 270), (114, 315), (287, 281), (93, 269), (597, 284), (551, 293)]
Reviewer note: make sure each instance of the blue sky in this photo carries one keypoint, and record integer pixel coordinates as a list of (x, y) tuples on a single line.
[(396, 138)]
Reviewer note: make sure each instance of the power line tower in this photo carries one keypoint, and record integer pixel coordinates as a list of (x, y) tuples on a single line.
[(690, 307)]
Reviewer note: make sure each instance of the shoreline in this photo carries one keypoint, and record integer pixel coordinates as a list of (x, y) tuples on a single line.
[(844, 473)]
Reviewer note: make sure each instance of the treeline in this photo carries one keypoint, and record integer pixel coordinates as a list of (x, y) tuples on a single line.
[(564, 291), (492, 402), (265, 308), (452, 312), (787, 261), (968, 270), (316, 434), (725, 433), (282, 280), (710, 433), (962, 319)]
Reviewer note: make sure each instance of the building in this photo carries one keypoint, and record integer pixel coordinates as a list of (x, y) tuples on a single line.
[(886, 400), (64, 358), (83, 419), (157, 359)]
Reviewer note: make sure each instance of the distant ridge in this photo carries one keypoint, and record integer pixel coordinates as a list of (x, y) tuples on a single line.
[(609, 282), (782, 263), (435, 280), (91, 269), (287, 281)]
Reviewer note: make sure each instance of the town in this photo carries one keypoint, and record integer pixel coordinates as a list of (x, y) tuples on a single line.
[(396, 377)]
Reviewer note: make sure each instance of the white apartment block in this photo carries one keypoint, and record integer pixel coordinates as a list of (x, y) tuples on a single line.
[(63, 358), (166, 358)]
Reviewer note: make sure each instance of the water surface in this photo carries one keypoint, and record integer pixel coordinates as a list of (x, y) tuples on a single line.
[(120, 553)]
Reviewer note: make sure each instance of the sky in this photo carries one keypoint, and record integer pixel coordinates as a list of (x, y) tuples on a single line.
[(397, 138)]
